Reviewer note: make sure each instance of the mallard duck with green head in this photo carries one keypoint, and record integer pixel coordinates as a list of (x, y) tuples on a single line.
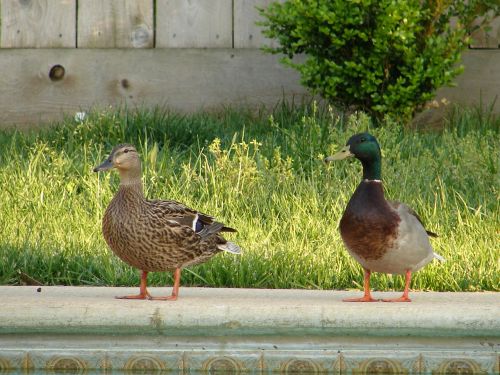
[(382, 235), (156, 235)]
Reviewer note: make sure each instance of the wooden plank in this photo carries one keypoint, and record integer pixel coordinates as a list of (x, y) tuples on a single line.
[(194, 23), (184, 79), (115, 24), (246, 33), (487, 39), (38, 23)]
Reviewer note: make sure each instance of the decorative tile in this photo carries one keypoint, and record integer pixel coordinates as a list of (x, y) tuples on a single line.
[(71, 361), (449, 362), (142, 361), (380, 366), (381, 362), (418, 366), (286, 359), (339, 366), (79, 361), (296, 362), (66, 363), (301, 366), (5, 365), (14, 359), (230, 362), (461, 366)]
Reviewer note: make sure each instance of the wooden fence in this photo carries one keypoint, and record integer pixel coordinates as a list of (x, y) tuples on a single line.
[(130, 23), (62, 56)]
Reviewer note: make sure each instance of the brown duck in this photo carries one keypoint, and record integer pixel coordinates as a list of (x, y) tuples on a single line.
[(156, 235), (382, 235)]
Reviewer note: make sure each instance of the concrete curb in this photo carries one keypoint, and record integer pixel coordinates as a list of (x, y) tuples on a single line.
[(252, 311), (248, 329)]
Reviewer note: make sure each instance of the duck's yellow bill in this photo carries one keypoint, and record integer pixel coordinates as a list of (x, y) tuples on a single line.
[(342, 154)]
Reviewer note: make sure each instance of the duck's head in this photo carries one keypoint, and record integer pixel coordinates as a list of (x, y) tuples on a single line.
[(362, 146), (124, 158), (365, 148)]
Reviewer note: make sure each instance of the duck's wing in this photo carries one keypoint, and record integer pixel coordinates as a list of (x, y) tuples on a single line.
[(416, 231), (173, 211), (189, 238), (398, 205)]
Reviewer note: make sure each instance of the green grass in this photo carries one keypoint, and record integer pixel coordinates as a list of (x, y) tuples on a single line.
[(261, 174)]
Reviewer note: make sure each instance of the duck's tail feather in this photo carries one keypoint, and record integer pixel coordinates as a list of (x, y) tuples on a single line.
[(211, 229), (230, 247), (439, 257)]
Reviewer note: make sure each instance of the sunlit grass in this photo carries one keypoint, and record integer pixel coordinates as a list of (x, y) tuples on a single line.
[(261, 174)]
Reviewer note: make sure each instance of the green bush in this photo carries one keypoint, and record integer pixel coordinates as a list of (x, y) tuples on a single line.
[(385, 57)]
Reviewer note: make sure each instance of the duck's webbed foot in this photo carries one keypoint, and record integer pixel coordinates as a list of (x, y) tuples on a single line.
[(366, 285), (175, 290), (143, 293), (404, 297), (400, 299), (136, 296), (168, 298), (365, 298)]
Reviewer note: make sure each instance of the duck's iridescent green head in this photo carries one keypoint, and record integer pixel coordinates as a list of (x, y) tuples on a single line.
[(365, 148)]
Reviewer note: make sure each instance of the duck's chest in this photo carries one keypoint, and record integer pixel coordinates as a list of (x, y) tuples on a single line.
[(123, 223), (119, 226), (369, 226)]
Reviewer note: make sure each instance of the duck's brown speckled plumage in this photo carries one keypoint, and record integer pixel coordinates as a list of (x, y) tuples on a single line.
[(146, 235), (155, 235)]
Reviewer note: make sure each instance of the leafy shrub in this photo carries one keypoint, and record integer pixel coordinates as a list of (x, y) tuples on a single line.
[(385, 57)]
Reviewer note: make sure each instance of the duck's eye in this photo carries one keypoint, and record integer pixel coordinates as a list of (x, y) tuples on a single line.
[(126, 150), (362, 140)]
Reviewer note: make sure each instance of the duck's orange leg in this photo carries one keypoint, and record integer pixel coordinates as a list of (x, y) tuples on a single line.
[(143, 293), (366, 284), (404, 297), (175, 290)]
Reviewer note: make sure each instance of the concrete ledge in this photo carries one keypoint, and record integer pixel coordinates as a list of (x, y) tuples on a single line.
[(248, 330), (248, 311)]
